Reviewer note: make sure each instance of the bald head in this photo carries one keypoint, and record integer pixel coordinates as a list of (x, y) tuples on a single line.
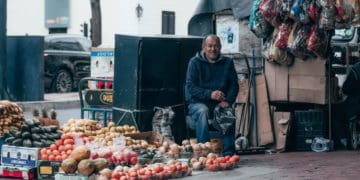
[(211, 37), (211, 47)]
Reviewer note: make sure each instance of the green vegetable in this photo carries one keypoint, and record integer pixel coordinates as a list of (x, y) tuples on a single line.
[(35, 137), (48, 143), (47, 129), (30, 123), (27, 143), (18, 134), (9, 140), (38, 144), (36, 122), (26, 135), (42, 136), (17, 142), (35, 130), (13, 132), (24, 128), (57, 135), (53, 128)]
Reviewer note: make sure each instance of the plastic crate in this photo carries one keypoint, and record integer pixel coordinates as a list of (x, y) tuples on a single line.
[(308, 125), (2, 140)]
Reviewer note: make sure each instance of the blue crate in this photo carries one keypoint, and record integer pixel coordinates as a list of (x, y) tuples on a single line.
[(2, 140)]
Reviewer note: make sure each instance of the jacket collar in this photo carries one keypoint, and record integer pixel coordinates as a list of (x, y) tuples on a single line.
[(201, 56)]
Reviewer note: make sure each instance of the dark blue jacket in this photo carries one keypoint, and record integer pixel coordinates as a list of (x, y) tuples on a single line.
[(204, 77), (351, 88)]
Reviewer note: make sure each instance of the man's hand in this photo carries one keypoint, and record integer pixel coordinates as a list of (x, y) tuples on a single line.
[(218, 95), (224, 104)]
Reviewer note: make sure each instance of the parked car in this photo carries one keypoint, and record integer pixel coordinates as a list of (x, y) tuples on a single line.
[(343, 39), (67, 60)]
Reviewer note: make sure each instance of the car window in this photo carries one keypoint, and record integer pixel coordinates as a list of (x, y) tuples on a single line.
[(85, 43), (66, 44)]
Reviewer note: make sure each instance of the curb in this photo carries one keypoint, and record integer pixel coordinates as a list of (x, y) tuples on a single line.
[(30, 105)]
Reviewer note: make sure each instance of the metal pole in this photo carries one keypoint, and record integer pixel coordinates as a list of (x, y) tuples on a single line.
[(254, 96), (2, 48)]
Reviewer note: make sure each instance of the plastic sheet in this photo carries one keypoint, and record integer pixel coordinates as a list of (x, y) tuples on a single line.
[(314, 12), (269, 11), (318, 42), (274, 54), (296, 10), (285, 7), (345, 13), (224, 118), (300, 11), (356, 5), (320, 144), (257, 23), (304, 16), (282, 36), (297, 42), (327, 15)]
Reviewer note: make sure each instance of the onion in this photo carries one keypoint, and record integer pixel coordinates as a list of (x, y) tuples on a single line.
[(197, 165), (185, 142), (166, 144), (162, 149), (174, 148), (106, 173), (211, 156)]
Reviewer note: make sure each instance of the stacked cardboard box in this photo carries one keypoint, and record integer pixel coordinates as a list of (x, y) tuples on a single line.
[(304, 82)]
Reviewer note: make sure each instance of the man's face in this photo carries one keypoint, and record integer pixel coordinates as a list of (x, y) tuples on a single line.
[(212, 48)]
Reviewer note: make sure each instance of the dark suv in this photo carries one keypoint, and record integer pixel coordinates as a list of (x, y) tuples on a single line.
[(67, 60)]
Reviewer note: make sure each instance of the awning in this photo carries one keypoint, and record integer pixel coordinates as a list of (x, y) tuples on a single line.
[(202, 23)]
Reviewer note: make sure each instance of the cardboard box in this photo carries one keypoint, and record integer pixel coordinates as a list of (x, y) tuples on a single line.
[(308, 81), (74, 177), (281, 124), (309, 67), (265, 133), (48, 169), (308, 89), (277, 79), (19, 156), (17, 172)]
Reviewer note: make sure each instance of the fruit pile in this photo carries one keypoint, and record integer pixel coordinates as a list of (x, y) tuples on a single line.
[(32, 134), (79, 161), (154, 171), (214, 163), (115, 156), (90, 131), (60, 150), (11, 117)]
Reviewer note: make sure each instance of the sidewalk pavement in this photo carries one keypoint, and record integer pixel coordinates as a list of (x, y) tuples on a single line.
[(53, 101)]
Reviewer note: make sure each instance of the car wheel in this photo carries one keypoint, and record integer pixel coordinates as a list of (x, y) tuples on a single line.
[(355, 135), (63, 82)]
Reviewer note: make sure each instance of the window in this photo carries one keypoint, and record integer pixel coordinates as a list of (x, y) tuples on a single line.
[(64, 44), (57, 30), (168, 22)]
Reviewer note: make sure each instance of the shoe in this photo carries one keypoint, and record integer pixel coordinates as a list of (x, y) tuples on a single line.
[(343, 142), (227, 154)]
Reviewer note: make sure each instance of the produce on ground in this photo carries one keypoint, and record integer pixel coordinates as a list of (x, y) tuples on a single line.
[(11, 117), (214, 163), (92, 132), (60, 150), (154, 171), (32, 134)]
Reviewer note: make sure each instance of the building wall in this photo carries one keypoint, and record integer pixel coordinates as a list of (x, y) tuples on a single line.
[(118, 17), (26, 17)]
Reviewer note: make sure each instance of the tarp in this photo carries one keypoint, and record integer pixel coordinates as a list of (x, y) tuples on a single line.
[(202, 23)]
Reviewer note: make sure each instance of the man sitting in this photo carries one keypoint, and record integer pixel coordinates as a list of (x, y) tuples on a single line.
[(211, 80)]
